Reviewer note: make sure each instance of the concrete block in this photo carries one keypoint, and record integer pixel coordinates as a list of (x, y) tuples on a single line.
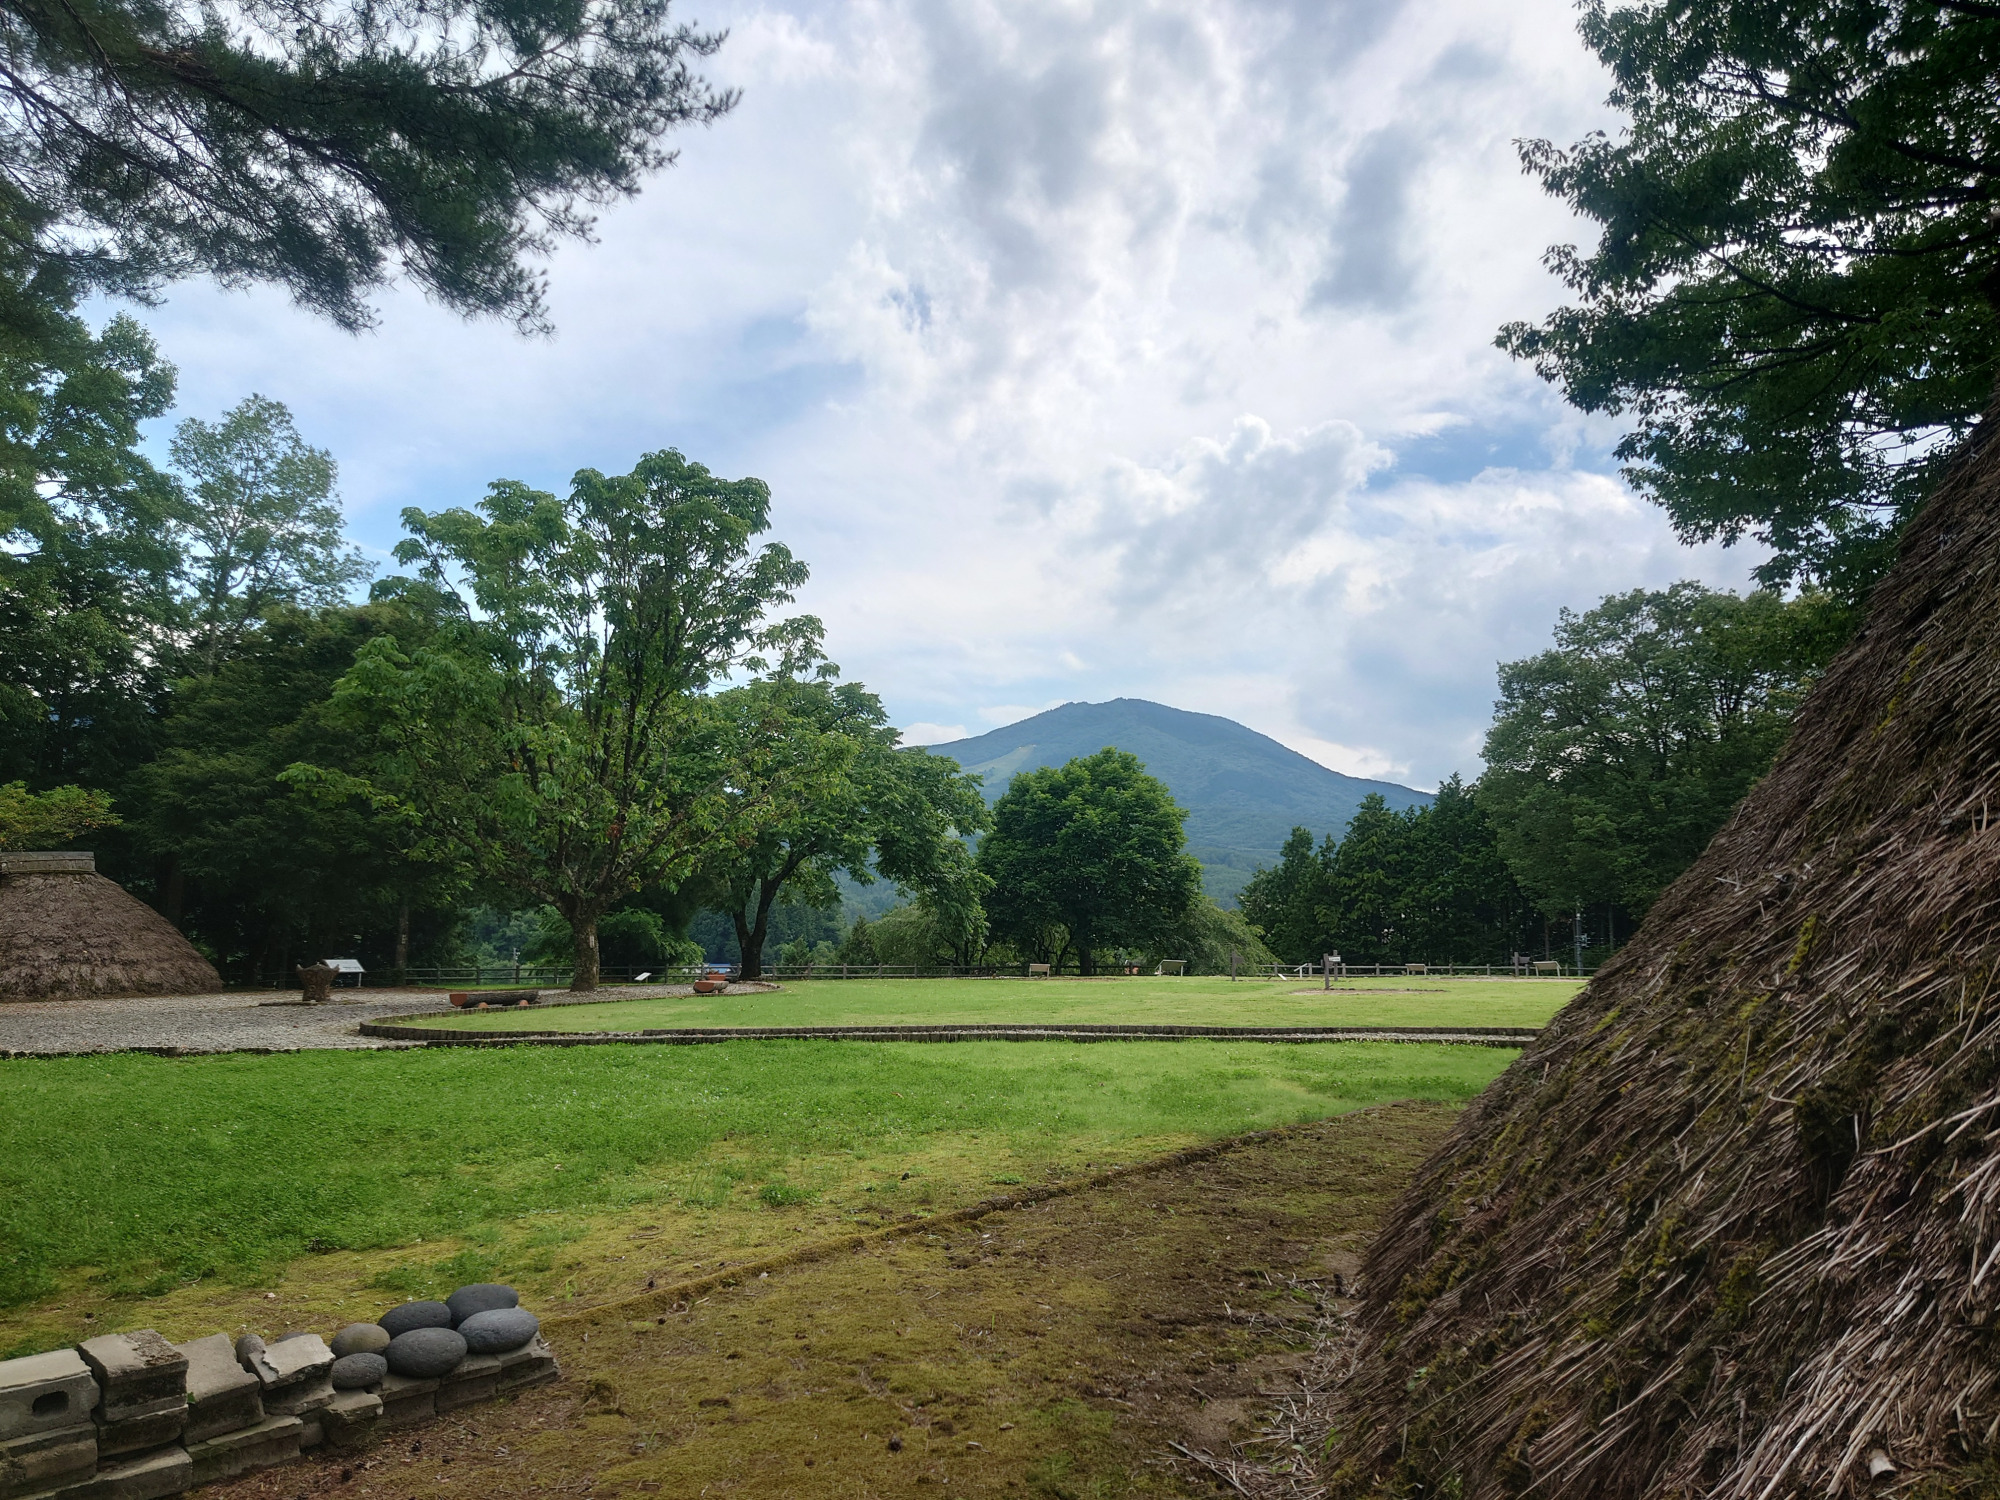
[(275, 1440), (45, 1393), (221, 1395), (42, 1460), (473, 1379), (290, 1362), (47, 862), (152, 1477), (131, 1435), (352, 1420), (137, 1373), (311, 1433), (531, 1365), (407, 1400), (299, 1399)]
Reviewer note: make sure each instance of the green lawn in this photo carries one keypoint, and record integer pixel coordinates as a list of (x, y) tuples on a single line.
[(1202, 1002), (127, 1176)]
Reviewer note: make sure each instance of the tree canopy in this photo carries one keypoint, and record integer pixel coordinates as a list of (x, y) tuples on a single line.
[(1615, 755), (1087, 856), (556, 737), (327, 145), (1426, 884), (87, 567), (51, 819), (264, 528), (1793, 294), (874, 810)]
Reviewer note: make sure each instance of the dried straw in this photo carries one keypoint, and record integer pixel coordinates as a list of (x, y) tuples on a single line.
[(1733, 1223), (65, 936)]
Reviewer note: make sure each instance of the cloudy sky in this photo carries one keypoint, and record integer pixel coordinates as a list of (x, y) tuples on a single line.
[(1091, 349)]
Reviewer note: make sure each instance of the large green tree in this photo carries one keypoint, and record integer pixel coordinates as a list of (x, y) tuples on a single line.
[(260, 527), (1087, 856), (328, 144), (263, 873), (1793, 293), (1616, 754), (559, 737), (86, 561), (875, 810)]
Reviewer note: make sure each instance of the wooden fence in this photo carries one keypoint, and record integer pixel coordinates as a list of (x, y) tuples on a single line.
[(548, 976)]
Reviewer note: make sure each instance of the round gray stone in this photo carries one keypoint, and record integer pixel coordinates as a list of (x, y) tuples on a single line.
[(424, 1353), (407, 1315), (247, 1349), (469, 1301), (360, 1338), (355, 1372), (498, 1331)]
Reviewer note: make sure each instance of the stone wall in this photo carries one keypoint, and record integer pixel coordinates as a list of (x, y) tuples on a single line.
[(129, 1416)]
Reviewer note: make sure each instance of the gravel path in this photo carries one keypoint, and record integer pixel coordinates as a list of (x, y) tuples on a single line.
[(242, 1022)]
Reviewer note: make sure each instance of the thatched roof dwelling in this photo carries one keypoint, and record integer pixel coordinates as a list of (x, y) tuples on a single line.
[(67, 932), (1731, 1226)]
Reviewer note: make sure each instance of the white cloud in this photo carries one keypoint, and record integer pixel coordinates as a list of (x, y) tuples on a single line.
[(932, 734), (1091, 348), (1347, 759)]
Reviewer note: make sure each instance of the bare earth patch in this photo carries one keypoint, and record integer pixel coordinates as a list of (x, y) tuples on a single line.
[(1061, 1350)]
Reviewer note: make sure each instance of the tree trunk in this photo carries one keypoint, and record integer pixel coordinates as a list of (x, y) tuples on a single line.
[(402, 938), (583, 928), (173, 889), (749, 948), (1083, 961), (750, 936)]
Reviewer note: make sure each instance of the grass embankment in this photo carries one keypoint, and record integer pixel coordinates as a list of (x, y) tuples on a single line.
[(340, 1181), (1160, 1002), (1047, 1353)]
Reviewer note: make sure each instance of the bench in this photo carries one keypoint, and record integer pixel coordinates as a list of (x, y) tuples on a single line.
[(1416, 968), (1178, 965), (1547, 966), (472, 999), (1041, 969)]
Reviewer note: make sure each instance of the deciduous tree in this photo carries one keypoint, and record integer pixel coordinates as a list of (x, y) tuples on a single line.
[(1793, 294), (876, 810), (51, 819), (559, 737), (86, 561), (259, 527), (1087, 856), (1616, 754)]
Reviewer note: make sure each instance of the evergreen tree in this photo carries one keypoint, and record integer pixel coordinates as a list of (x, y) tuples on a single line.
[(327, 144)]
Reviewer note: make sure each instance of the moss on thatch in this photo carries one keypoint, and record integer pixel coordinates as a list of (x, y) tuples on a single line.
[(72, 934), (1731, 1226)]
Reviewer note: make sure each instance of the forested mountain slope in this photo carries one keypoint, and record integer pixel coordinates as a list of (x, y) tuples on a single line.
[(1243, 790)]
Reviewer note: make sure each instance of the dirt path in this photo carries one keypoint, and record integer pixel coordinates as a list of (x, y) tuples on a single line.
[(226, 1021), (1053, 1351)]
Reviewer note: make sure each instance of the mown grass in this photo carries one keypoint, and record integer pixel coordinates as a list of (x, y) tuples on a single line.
[(129, 1176), (1173, 1002)]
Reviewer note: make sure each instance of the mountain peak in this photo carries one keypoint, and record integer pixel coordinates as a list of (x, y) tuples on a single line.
[(1244, 791)]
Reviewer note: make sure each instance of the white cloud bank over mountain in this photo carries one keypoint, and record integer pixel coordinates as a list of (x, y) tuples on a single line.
[(1090, 349)]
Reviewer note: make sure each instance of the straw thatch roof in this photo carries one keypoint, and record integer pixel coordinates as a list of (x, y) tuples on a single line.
[(1731, 1226), (67, 932)]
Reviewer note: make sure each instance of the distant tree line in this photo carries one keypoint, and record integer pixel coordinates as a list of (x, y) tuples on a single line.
[(1613, 758)]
